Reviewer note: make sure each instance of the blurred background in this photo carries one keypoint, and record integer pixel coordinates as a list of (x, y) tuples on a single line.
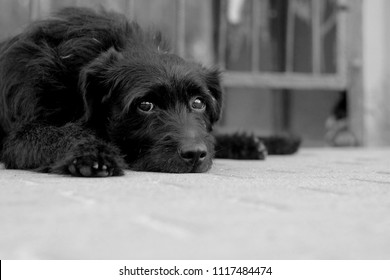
[(319, 69)]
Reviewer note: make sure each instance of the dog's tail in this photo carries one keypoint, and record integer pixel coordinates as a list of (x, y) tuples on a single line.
[(249, 146)]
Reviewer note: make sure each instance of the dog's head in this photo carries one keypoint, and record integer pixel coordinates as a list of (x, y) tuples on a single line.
[(158, 108)]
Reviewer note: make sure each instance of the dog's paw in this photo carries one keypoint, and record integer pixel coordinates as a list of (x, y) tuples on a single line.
[(240, 146), (92, 160), (91, 166)]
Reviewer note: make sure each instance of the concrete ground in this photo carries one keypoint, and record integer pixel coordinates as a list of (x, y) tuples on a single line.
[(317, 204)]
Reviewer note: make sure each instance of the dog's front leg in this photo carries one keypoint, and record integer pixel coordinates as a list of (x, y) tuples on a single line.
[(69, 149)]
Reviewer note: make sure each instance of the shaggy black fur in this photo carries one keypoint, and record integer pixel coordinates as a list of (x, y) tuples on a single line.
[(89, 93)]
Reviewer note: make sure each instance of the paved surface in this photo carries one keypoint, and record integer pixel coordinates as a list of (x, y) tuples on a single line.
[(318, 204)]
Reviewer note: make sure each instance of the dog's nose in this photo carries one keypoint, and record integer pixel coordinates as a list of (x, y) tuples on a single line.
[(193, 153)]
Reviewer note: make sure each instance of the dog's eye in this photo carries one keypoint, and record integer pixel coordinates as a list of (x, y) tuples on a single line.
[(198, 104), (145, 106)]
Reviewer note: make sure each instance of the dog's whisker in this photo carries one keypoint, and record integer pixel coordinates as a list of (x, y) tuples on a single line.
[(66, 56)]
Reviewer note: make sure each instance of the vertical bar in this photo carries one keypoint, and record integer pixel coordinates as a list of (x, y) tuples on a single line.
[(222, 34), (180, 28), (255, 35), (316, 36), (281, 111), (265, 37), (341, 36), (356, 98), (290, 36)]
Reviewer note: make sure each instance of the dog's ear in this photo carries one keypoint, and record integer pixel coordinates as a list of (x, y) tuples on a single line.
[(95, 83), (213, 82)]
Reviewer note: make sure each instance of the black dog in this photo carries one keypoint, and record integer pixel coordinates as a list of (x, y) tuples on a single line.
[(89, 93)]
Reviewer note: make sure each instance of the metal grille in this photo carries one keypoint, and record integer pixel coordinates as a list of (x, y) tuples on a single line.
[(322, 18)]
